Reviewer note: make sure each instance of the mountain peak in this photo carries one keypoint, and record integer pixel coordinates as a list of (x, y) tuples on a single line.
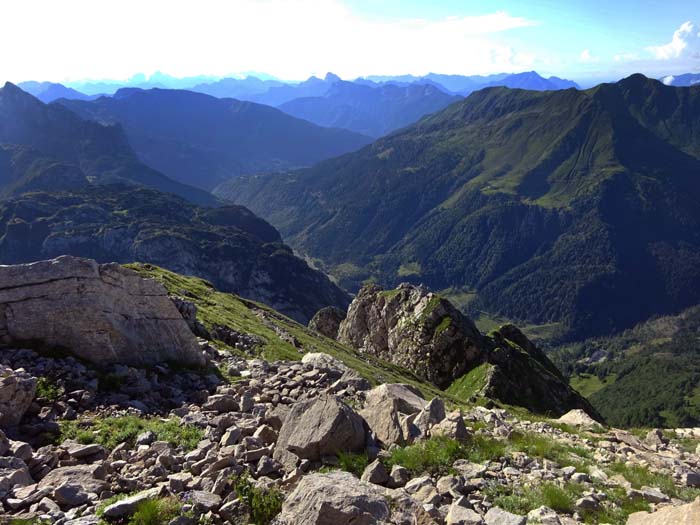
[(332, 77)]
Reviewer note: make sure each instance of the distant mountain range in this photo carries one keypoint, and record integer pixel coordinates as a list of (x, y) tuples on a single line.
[(51, 147), (373, 106), (373, 111), (686, 80), (75, 186), (578, 208), (202, 140), (50, 91)]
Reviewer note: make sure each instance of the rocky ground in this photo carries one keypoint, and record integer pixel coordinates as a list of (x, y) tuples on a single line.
[(309, 442), (317, 437)]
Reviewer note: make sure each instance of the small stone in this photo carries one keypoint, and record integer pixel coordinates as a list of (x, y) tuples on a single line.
[(204, 501), (145, 438), (231, 437), (375, 473), (587, 503), (69, 495), (398, 477)]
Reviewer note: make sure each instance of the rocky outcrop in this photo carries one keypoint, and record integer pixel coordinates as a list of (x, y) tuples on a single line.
[(521, 374), (337, 498), (17, 389), (327, 321), (413, 328), (425, 333), (104, 314), (317, 428)]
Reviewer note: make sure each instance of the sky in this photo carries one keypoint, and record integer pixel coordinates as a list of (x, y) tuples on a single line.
[(585, 40)]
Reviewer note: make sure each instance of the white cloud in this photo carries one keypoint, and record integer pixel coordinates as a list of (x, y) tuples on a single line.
[(290, 38), (626, 57), (668, 80), (685, 42), (586, 56)]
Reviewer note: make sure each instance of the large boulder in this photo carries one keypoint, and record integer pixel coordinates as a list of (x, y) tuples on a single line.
[(90, 478), (580, 418), (102, 313), (414, 328), (327, 321), (337, 498), (386, 409), (17, 389), (320, 427), (682, 515)]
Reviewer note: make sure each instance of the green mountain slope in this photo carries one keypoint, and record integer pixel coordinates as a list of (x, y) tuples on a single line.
[(36, 137), (201, 140), (574, 207), (646, 376)]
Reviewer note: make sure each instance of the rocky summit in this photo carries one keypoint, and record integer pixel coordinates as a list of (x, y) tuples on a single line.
[(283, 425), (423, 332)]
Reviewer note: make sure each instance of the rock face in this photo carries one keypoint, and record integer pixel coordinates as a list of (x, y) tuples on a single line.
[(337, 498), (327, 321), (413, 328), (16, 394), (316, 428), (426, 334), (102, 313)]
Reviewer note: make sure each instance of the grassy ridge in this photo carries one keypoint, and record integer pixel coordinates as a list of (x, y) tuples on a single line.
[(217, 308)]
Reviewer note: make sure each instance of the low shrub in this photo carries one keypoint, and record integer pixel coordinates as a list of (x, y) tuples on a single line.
[(111, 431), (263, 504)]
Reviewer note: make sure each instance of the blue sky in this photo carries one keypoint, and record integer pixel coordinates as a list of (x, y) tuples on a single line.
[(587, 41)]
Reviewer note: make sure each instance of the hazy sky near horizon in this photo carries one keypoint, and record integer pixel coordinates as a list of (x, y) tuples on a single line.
[(587, 40)]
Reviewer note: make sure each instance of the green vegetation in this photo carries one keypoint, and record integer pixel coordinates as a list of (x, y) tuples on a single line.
[(353, 463), (409, 269), (620, 374), (589, 384), (523, 499), (157, 511), (223, 309), (471, 383), (263, 504), (436, 455), (640, 476), (111, 431), (523, 199), (561, 498), (48, 389)]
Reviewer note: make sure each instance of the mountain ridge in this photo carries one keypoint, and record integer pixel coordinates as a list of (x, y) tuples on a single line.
[(202, 140), (504, 192)]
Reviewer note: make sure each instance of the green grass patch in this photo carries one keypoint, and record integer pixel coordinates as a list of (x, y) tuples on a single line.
[(111, 431), (431, 456), (408, 269), (263, 504), (640, 476), (470, 383), (48, 389), (523, 499), (157, 511), (589, 384), (353, 463)]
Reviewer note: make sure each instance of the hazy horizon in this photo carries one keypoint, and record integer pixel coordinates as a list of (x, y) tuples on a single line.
[(587, 42)]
